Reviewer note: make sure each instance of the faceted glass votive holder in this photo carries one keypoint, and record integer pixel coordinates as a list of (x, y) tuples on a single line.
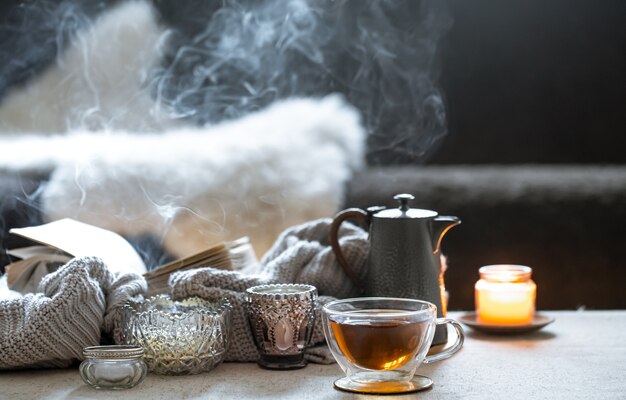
[(281, 317)]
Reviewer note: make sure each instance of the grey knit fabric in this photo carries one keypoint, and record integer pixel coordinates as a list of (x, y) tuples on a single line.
[(70, 309), (301, 254)]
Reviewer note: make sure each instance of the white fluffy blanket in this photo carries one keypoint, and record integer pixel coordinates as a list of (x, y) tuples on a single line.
[(116, 162), (254, 176)]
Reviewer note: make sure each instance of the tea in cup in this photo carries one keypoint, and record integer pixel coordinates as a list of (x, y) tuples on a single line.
[(380, 342)]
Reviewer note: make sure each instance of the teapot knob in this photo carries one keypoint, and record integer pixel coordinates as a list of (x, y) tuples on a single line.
[(404, 200)]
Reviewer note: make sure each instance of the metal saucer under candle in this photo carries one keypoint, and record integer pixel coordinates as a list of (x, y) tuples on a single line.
[(281, 317), (539, 321)]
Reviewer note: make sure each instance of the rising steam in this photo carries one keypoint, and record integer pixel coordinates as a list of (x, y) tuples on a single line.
[(206, 62), (243, 55), (225, 59), (33, 33)]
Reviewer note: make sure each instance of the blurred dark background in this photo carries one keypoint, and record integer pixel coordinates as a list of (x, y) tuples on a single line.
[(534, 161), (524, 81), (534, 82)]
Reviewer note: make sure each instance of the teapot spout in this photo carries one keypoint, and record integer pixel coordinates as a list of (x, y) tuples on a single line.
[(441, 225)]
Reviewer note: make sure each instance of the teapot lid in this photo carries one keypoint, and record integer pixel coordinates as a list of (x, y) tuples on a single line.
[(404, 211)]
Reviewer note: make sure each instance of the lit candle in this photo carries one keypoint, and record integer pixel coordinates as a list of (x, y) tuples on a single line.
[(505, 295)]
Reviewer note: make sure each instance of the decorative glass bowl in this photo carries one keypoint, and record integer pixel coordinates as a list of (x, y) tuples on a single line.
[(178, 337)]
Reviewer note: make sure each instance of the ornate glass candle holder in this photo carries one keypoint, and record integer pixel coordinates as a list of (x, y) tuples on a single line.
[(113, 367), (505, 295), (179, 337), (281, 317)]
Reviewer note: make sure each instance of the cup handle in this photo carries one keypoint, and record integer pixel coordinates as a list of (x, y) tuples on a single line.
[(460, 338)]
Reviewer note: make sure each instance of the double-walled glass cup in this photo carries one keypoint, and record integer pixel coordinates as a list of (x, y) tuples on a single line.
[(380, 342)]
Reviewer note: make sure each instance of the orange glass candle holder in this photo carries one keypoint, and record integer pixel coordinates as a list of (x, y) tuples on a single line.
[(505, 295)]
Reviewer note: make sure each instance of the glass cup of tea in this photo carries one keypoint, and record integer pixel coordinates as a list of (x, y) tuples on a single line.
[(380, 342)]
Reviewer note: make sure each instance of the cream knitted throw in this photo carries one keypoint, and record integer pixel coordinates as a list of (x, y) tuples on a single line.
[(301, 254), (80, 300), (72, 306)]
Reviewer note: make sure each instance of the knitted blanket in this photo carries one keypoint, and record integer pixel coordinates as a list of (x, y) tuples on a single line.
[(301, 254), (76, 304), (73, 306)]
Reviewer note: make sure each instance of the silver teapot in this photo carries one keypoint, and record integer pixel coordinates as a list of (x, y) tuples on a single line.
[(404, 257)]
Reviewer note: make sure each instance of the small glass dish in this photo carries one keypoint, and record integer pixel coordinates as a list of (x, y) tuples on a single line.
[(178, 337), (113, 367)]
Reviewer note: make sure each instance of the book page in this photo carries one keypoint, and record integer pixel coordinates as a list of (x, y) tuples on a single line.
[(80, 239), (231, 255), (33, 251)]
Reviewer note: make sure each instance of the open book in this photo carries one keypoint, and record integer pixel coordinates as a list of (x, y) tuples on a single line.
[(234, 255), (59, 241)]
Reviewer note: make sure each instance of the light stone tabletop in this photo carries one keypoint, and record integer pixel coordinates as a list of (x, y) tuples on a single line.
[(582, 355)]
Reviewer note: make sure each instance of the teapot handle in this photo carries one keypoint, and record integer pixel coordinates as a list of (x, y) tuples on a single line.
[(334, 241), (441, 225)]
